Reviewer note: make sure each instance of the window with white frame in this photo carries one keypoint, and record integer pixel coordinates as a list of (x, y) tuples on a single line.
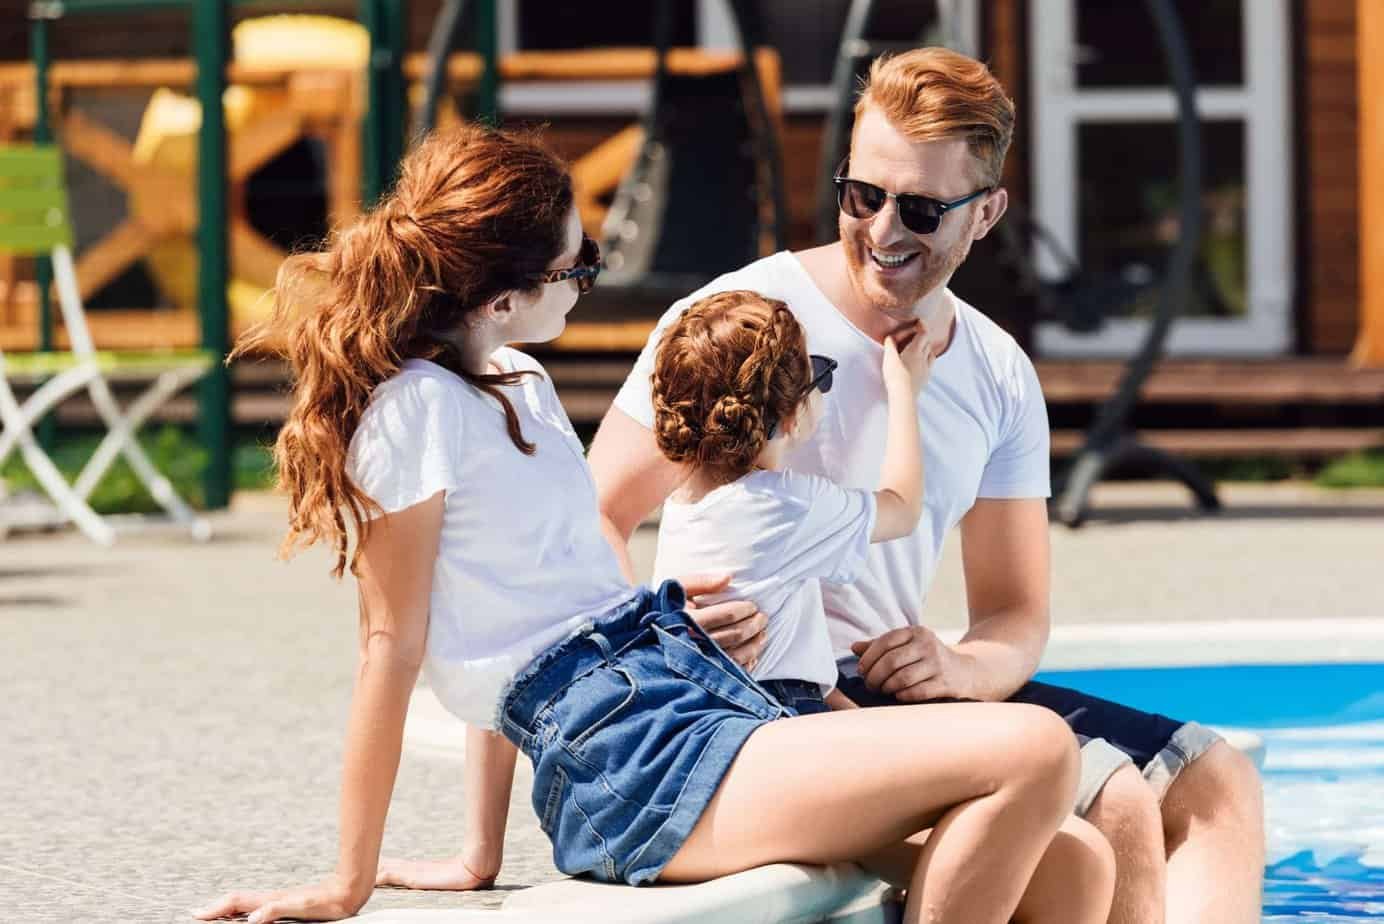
[(1105, 167)]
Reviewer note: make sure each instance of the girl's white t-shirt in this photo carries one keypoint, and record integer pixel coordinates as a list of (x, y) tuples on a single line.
[(983, 421), (522, 562), (779, 533)]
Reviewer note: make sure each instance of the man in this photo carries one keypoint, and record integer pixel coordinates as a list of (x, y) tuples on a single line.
[(1180, 807)]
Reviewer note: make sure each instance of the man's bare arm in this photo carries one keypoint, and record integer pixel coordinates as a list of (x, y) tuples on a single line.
[(632, 478), (1006, 556)]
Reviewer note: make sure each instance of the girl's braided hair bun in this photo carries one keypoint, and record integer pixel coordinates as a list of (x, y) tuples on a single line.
[(731, 365)]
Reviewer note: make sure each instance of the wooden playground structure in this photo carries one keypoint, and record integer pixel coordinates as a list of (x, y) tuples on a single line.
[(271, 104), (281, 87)]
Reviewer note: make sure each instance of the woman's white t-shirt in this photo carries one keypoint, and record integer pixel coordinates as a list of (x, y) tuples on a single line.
[(779, 533), (522, 562)]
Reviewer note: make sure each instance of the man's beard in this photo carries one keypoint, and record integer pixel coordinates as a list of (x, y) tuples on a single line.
[(899, 301)]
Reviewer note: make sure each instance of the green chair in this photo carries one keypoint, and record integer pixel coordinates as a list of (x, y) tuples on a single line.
[(34, 221)]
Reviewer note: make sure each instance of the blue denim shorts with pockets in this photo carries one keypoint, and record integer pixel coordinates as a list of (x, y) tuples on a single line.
[(631, 725)]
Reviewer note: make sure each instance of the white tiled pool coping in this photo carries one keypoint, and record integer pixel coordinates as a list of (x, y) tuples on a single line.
[(1238, 641)]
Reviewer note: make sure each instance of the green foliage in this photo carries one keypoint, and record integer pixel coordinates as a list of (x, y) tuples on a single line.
[(1251, 468), (1357, 470), (174, 452)]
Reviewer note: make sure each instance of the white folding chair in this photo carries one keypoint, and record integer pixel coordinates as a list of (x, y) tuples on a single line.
[(34, 221)]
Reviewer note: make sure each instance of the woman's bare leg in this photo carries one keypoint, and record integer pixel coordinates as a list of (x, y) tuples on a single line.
[(994, 781), (1073, 883)]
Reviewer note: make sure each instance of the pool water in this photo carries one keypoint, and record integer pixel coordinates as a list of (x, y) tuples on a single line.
[(1323, 728)]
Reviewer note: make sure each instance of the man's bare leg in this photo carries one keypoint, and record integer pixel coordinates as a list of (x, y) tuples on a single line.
[(1072, 884), (1213, 823), (1127, 813)]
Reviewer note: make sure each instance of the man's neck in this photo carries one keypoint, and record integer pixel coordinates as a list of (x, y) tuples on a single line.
[(937, 311), (827, 268)]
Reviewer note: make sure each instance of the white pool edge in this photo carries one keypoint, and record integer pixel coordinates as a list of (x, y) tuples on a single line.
[(1213, 644)]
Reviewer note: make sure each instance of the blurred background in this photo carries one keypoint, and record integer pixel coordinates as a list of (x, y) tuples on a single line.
[(1256, 380)]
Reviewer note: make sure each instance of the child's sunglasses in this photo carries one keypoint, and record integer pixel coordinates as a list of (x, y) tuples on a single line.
[(822, 368), (584, 271), (919, 214)]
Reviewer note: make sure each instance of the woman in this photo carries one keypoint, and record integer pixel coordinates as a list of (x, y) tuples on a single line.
[(480, 560)]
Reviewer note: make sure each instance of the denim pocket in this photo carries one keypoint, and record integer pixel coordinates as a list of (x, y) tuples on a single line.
[(547, 819), (705, 670), (593, 702)]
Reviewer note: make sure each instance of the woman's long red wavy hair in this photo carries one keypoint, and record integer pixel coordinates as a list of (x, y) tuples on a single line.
[(475, 214)]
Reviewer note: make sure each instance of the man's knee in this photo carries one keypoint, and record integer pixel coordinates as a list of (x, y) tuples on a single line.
[(1086, 854), (1075, 880), (1127, 813), (1221, 787)]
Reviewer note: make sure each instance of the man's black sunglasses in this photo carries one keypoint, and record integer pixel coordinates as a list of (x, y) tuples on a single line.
[(919, 214), (584, 271), (822, 368)]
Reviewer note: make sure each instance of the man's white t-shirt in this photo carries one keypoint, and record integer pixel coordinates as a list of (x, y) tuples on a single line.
[(779, 533), (522, 562), (984, 427)]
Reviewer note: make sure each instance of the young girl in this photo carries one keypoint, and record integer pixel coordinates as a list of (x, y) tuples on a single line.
[(734, 390), (734, 393), (480, 561)]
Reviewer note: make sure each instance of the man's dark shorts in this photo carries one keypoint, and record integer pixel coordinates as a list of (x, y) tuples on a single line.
[(1111, 735)]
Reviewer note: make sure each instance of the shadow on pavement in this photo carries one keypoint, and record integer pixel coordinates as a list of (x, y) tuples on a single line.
[(33, 600), (1248, 512)]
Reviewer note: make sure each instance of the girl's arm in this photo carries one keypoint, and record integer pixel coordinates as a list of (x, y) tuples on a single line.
[(395, 583), (899, 500)]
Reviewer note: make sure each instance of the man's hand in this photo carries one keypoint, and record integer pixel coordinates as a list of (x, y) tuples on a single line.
[(736, 625), (913, 665)]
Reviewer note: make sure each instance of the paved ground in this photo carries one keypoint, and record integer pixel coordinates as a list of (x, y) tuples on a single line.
[(171, 714)]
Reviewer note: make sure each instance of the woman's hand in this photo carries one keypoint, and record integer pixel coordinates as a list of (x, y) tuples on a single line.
[(329, 900), (450, 875)]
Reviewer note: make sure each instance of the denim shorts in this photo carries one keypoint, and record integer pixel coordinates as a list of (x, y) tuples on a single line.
[(1111, 735), (799, 697), (631, 725)]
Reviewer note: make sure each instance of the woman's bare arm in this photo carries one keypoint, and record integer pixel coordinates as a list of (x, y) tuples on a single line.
[(395, 583)]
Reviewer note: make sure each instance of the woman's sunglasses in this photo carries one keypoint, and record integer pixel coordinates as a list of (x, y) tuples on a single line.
[(822, 368), (919, 214), (584, 271)]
